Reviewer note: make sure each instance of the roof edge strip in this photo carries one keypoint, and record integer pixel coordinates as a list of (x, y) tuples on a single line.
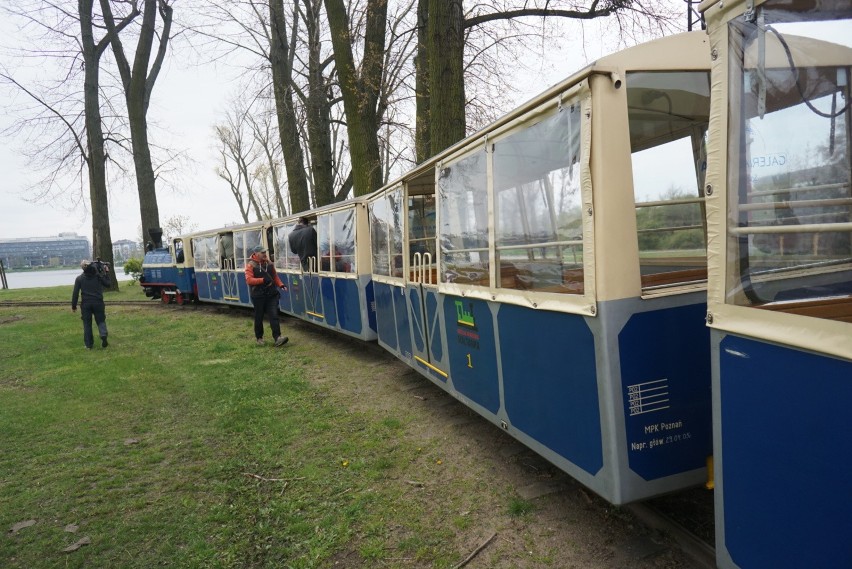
[(560, 87)]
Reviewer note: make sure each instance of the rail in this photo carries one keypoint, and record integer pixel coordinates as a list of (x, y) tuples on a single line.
[(16, 303)]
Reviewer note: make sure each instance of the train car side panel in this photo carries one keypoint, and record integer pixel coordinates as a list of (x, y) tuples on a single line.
[(435, 331), (348, 306), (386, 316), (329, 303), (472, 351), (403, 332), (666, 391), (285, 301), (784, 413), (297, 295), (553, 400)]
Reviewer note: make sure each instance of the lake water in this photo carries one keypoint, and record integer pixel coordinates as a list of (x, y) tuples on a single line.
[(37, 279)]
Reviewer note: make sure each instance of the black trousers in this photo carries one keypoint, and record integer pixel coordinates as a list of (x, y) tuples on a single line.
[(266, 305), (87, 311)]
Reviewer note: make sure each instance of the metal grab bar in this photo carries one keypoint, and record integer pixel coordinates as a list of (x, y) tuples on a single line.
[(427, 274), (417, 264)]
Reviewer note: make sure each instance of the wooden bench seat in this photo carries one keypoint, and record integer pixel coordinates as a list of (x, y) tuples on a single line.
[(675, 277), (834, 308)]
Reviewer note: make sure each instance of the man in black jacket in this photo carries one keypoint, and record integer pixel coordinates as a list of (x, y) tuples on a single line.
[(91, 285), (303, 242)]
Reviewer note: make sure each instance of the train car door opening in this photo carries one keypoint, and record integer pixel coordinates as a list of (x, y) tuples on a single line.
[(422, 286)]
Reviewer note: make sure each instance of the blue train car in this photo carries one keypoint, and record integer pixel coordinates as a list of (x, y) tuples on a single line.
[(335, 291), (550, 271), (168, 273), (780, 294), (220, 258)]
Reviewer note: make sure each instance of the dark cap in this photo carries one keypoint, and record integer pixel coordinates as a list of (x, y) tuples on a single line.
[(259, 249)]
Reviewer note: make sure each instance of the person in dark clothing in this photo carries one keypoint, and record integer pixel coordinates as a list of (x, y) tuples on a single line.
[(90, 286), (303, 242), (263, 282)]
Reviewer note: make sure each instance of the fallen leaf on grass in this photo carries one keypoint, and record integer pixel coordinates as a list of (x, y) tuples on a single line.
[(71, 528), (80, 543), (128, 442), (21, 525)]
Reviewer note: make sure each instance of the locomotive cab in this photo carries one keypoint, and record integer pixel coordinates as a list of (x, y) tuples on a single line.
[(168, 273)]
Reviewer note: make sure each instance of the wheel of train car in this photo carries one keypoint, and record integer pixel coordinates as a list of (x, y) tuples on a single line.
[(165, 297), (179, 298)]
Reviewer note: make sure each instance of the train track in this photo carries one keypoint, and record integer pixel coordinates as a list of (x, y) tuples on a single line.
[(20, 303), (701, 552)]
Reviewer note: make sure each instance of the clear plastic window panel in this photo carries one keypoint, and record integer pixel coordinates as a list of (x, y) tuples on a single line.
[(199, 253), (386, 235), (284, 257), (790, 208), (211, 247), (248, 240), (324, 241), (668, 113), (464, 221), (538, 202), (226, 250), (343, 232)]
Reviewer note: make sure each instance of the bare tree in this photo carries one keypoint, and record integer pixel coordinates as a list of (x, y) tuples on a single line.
[(269, 172), (236, 162), (318, 100), (249, 164), (450, 30), (138, 82), (176, 226), (281, 52), (76, 126), (259, 28), (360, 88)]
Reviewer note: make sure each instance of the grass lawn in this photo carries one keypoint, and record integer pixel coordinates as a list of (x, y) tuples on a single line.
[(184, 445)]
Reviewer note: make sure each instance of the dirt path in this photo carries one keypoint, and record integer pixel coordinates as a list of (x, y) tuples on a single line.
[(484, 471)]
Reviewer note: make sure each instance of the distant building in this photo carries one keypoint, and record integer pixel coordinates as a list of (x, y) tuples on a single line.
[(125, 249), (63, 250)]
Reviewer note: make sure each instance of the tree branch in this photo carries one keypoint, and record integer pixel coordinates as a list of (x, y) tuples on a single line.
[(590, 14)]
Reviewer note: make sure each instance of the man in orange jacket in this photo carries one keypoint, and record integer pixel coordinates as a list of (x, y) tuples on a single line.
[(263, 284)]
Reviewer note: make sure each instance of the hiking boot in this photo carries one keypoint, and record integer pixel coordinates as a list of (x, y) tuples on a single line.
[(260, 341), (281, 340), (104, 343), (88, 347)]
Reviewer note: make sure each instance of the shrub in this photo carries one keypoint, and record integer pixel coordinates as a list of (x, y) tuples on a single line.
[(133, 267)]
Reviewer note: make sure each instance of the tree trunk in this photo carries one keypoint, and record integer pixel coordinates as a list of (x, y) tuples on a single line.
[(360, 95), (445, 48), (138, 84), (282, 70), (96, 160), (422, 131), (145, 179), (318, 111)]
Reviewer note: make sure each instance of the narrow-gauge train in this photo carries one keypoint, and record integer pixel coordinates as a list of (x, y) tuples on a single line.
[(780, 293), (551, 273), (541, 271)]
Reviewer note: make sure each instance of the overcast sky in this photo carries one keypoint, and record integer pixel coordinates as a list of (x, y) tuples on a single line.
[(186, 103)]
